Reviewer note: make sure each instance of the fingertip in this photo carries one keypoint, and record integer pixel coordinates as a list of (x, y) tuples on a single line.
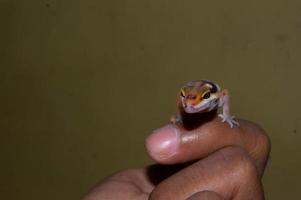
[(163, 143)]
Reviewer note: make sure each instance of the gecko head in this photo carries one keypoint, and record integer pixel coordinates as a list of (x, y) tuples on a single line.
[(199, 96)]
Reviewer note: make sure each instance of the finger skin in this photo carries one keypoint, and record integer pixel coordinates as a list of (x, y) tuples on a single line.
[(231, 162), (129, 184), (229, 172), (205, 195), (211, 136)]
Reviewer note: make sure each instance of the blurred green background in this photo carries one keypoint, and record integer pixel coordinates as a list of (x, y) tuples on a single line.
[(84, 82)]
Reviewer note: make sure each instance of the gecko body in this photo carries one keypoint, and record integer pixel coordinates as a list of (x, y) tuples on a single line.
[(203, 96)]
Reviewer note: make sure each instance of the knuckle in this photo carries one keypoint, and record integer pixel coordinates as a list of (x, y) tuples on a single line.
[(240, 164), (264, 143)]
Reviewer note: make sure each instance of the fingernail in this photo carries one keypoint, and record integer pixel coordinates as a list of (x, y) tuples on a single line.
[(163, 143)]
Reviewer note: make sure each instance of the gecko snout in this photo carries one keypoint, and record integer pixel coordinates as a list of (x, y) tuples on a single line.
[(191, 96)]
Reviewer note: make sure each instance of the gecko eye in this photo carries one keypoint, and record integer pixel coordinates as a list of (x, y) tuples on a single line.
[(206, 95)]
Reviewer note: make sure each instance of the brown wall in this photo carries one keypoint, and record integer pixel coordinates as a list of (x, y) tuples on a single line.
[(83, 82)]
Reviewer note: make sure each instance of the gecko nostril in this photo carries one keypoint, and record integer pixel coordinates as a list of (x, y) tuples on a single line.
[(191, 96)]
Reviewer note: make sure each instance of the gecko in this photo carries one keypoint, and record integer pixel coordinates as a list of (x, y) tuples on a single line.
[(203, 96)]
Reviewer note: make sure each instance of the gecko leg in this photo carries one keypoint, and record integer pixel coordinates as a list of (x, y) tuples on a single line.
[(176, 119), (226, 116)]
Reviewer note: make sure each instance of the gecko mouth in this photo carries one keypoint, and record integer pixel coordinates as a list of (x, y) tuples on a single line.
[(201, 107), (195, 109)]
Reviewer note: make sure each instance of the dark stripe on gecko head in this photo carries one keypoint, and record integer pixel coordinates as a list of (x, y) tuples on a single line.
[(214, 87)]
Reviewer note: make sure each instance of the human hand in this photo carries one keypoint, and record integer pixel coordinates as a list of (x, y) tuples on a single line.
[(210, 162)]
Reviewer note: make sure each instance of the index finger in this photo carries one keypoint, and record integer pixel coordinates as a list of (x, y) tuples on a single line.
[(174, 144)]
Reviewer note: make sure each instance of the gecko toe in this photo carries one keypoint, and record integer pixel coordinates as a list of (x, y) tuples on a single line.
[(222, 117), (235, 122), (229, 120), (230, 123)]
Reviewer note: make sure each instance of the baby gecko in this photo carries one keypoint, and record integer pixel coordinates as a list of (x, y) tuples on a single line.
[(204, 96)]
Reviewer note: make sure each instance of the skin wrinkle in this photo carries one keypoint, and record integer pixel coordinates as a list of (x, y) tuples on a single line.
[(113, 184), (163, 156), (205, 195), (263, 148), (136, 179), (232, 173), (258, 146), (189, 138), (132, 177), (131, 183), (244, 168)]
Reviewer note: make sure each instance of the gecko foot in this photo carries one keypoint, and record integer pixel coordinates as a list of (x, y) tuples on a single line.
[(176, 119), (229, 119)]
